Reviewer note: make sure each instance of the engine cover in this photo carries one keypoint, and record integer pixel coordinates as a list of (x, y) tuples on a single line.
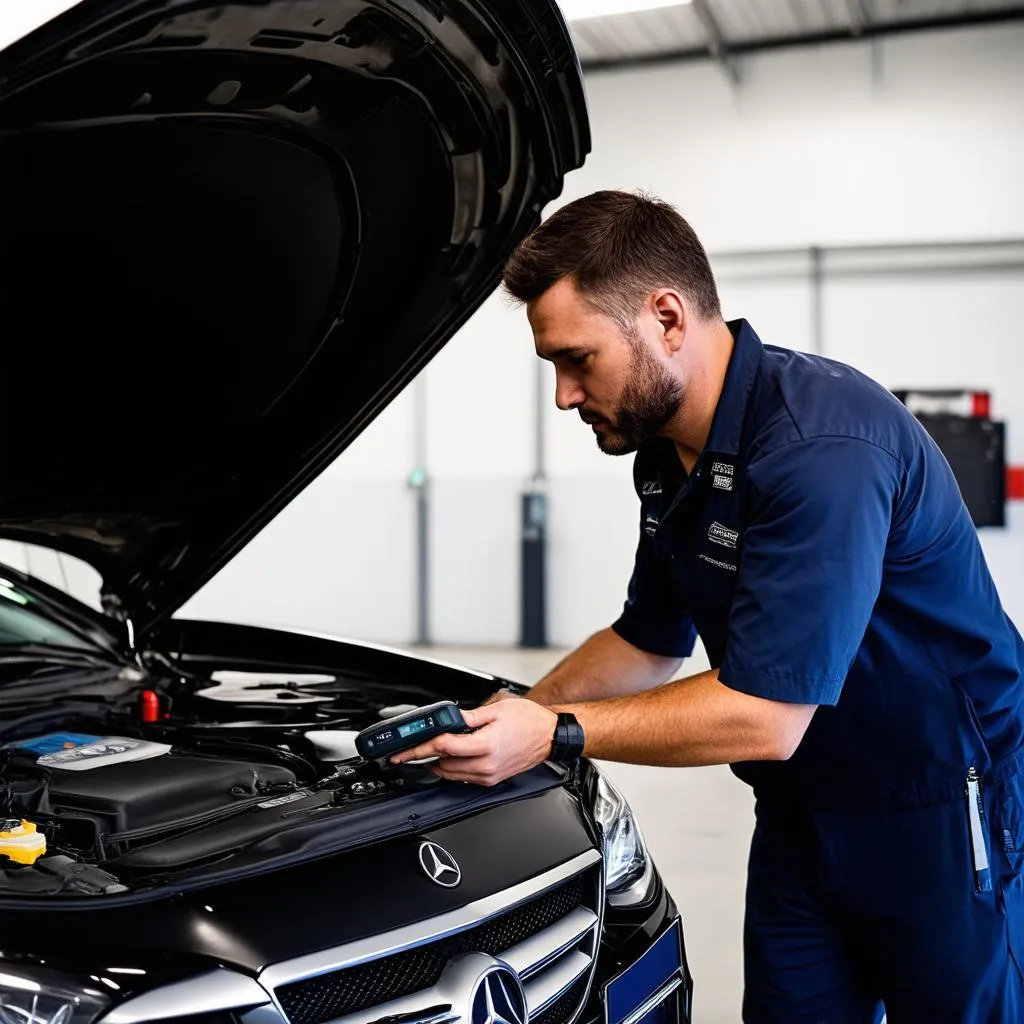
[(126, 785)]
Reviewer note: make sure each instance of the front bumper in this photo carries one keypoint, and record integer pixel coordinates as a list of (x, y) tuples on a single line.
[(637, 971), (642, 974), (655, 989)]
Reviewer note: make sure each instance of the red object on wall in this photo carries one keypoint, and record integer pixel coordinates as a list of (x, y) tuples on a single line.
[(982, 405), (1015, 483)]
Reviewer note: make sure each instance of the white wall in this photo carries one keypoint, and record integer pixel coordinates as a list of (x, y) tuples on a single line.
[(917, 138)]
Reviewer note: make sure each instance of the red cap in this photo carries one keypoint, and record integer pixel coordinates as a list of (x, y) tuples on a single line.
[(149, 706)]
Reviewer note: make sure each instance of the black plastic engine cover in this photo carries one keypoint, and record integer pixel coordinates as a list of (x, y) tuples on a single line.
[(162, 791)]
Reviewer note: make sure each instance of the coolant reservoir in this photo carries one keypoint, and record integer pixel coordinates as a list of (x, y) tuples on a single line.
[(20, 841)]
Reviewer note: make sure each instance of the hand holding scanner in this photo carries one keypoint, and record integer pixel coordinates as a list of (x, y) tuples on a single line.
[(408, 730)]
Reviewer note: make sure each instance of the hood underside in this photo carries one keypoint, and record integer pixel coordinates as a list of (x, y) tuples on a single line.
[(231, 234)]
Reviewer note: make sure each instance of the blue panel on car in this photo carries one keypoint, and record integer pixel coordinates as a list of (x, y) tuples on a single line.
[(639, 982)]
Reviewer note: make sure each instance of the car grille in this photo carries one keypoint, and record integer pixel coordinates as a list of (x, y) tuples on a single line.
[(550, 939), (564, 1009), (323, 999)]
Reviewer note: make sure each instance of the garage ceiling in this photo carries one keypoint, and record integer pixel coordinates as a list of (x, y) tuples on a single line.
[(722, 27)]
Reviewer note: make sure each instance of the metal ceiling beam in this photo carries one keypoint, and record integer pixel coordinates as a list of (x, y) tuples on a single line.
[(717, 46), (875, 30)]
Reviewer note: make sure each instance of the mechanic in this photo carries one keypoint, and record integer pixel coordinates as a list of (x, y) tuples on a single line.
[(866, 680)]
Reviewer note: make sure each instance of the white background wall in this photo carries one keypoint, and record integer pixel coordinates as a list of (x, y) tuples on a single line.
[(913, 139)]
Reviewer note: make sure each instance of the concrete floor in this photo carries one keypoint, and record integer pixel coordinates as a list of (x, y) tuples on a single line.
[(697, 822)]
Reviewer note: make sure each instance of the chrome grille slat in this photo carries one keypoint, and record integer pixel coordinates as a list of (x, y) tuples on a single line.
[(552, 984), (539, 950)]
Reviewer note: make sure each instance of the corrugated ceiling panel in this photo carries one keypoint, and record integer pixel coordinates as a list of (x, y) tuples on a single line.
[(679, 24), (737, 18), (786, 19), (821, 16), (677, 29), (667, 29), (595, 40)]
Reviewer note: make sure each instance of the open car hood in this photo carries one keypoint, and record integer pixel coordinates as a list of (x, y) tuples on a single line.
[(232, 232)]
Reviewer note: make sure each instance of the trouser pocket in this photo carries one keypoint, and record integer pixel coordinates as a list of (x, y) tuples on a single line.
[(978, 829)]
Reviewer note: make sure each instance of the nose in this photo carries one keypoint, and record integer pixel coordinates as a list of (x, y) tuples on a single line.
[(568, 393)]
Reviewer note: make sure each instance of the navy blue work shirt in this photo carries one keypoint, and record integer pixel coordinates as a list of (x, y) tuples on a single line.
[(823, 553)]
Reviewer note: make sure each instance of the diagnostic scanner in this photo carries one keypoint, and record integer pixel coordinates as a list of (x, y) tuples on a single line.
[(407, 730)]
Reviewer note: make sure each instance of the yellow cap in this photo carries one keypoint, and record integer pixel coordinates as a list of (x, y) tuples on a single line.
[(21, 841)]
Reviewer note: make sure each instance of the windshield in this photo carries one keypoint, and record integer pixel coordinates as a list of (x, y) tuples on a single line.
[(64, 572), (21, 624)]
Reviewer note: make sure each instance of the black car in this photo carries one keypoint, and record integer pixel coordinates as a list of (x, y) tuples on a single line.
[(230, 233)]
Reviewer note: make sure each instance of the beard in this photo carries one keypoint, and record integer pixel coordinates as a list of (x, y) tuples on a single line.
[(650, 397)]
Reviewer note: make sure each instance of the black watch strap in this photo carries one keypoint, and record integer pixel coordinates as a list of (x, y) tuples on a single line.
[(567, 741)]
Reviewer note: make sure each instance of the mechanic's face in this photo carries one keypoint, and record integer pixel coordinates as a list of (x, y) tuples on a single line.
[(621, 384)]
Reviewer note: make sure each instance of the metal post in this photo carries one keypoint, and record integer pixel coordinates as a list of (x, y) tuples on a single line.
[(533, 537), (817, 303), (538, 422), (419, 482)]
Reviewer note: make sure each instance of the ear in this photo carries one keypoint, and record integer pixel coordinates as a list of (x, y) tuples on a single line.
[(670, 311)]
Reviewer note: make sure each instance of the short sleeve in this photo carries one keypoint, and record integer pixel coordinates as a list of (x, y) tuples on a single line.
[(652, 618), (811, 567)]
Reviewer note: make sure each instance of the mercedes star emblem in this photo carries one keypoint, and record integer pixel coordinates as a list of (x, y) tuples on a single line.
[(440, 866), (477, 988), (499, 997)]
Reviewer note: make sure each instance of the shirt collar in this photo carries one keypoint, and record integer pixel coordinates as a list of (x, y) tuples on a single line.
[(727, 424)]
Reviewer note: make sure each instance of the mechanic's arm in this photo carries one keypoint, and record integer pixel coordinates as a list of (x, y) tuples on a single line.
[(810, 573), (694, 721), (604, 666)]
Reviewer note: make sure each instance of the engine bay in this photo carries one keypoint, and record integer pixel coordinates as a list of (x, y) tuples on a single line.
[(135, 777)]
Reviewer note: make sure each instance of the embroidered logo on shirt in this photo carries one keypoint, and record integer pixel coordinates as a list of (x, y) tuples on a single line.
[(651, 524), (720, 565), (722, 474), (720, 534), (652, 487)]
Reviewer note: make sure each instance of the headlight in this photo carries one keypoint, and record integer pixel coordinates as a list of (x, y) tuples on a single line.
[(33, 996), (627, 866)]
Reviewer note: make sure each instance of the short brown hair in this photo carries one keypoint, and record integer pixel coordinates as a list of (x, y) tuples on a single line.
[(617, 247)]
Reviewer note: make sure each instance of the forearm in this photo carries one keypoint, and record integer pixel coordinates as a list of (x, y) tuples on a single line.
[(693, 721), (605, 666)]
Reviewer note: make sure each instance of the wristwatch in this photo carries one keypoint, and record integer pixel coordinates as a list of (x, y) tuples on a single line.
[(567, 741)]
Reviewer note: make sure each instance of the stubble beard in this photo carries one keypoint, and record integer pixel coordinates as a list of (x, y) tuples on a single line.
[(650, 398)]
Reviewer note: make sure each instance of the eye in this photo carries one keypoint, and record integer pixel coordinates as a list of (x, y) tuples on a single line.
[(581, 359)]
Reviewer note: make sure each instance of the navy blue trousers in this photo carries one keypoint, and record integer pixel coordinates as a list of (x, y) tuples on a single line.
[(853, 915)]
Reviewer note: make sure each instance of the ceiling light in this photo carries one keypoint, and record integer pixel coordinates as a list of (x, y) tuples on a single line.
[(578, 10)]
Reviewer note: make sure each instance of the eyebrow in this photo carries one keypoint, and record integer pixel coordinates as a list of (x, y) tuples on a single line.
[(564, 352)]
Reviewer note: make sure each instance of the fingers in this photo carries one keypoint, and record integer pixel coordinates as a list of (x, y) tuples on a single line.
[(481, 771), (448, 744), (455, 744), (483, 715)]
